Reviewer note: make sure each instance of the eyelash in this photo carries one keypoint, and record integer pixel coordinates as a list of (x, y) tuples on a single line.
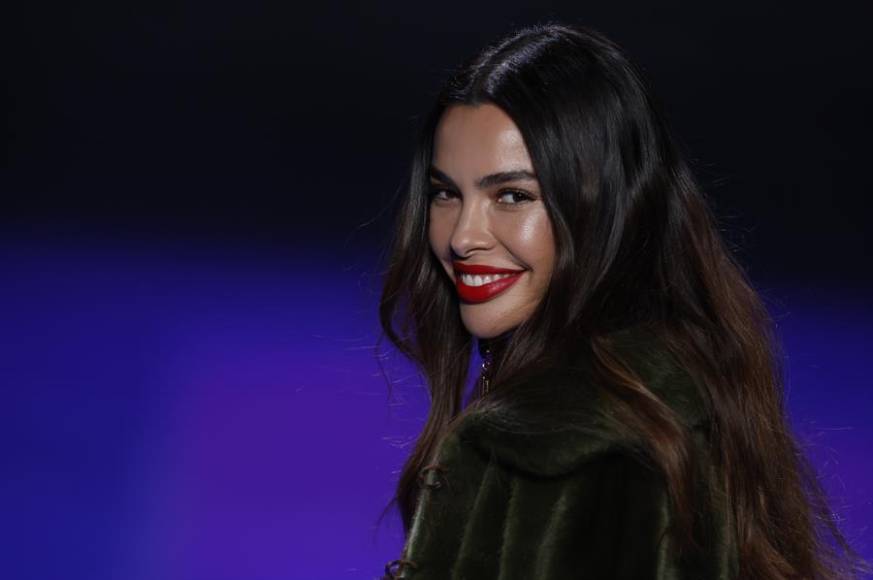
[(525, 196)]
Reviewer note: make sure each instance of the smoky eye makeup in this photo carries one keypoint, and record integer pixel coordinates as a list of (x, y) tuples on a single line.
[(519, 196), (436, 189), (439, 192)]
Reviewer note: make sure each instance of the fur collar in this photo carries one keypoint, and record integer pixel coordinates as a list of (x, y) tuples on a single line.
[(558, 420)]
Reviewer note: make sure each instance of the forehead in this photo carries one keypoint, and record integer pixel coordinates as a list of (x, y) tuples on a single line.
[(473, 140)]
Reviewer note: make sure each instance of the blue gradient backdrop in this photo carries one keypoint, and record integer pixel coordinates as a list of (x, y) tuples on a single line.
[(190, 197), (184, 410)]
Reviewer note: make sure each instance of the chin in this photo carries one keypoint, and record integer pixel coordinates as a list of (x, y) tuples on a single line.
[(484, 328)]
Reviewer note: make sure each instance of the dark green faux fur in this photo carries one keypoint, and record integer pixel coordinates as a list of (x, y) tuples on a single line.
[(523, 500)]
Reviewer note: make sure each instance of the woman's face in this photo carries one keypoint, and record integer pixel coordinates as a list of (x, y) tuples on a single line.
[(487, 222)]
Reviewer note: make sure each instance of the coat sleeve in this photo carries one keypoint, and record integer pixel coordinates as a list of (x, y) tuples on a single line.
[(605, 520)]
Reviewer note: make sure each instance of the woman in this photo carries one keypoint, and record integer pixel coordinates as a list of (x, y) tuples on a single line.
[(628, 421)]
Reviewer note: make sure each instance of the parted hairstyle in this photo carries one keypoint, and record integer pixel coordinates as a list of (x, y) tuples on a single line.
[(636, 245)]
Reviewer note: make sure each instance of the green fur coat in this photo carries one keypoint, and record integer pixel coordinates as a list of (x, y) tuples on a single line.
[(512, 498)]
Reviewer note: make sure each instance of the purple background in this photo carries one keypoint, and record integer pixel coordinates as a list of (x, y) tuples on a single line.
[(197, 411), (193, 195)]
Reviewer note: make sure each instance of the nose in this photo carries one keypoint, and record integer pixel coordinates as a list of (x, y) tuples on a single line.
[(472, 230)]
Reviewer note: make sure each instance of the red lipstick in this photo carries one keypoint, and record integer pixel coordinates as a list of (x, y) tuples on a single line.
[(484, 292)]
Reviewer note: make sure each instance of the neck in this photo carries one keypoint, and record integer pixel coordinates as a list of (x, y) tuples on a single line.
[(489, 346), (489, 350)]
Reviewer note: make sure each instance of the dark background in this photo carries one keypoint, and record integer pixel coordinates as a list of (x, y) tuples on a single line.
[(294, 123), (193, 198)]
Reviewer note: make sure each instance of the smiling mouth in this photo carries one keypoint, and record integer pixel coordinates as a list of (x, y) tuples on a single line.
[(480, 280), (475, 288)]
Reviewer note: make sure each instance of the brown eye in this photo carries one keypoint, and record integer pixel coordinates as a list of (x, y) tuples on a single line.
[(516, 197), (440, 194)]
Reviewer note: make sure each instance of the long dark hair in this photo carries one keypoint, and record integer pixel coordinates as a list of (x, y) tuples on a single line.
[(636, 246)]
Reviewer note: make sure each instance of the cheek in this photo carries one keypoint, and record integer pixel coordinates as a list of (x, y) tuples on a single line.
[(438, 234), (535, 240), (433, 237), (438, 240)]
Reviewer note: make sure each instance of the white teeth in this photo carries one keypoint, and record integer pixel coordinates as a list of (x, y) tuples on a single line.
[(471, 280)]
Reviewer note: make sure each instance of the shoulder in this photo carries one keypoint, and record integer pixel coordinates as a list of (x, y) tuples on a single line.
[(663, 374), (560, 421), (549, 484)]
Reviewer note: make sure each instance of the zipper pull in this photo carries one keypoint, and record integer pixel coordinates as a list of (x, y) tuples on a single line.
[(485, 374)]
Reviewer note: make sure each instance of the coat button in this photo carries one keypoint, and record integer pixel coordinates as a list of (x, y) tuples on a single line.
[(432, 476)]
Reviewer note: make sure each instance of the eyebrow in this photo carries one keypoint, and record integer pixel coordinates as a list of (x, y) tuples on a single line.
[(488, 180)]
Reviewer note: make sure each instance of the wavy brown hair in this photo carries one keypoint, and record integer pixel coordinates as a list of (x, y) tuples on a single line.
[(636, 246)]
